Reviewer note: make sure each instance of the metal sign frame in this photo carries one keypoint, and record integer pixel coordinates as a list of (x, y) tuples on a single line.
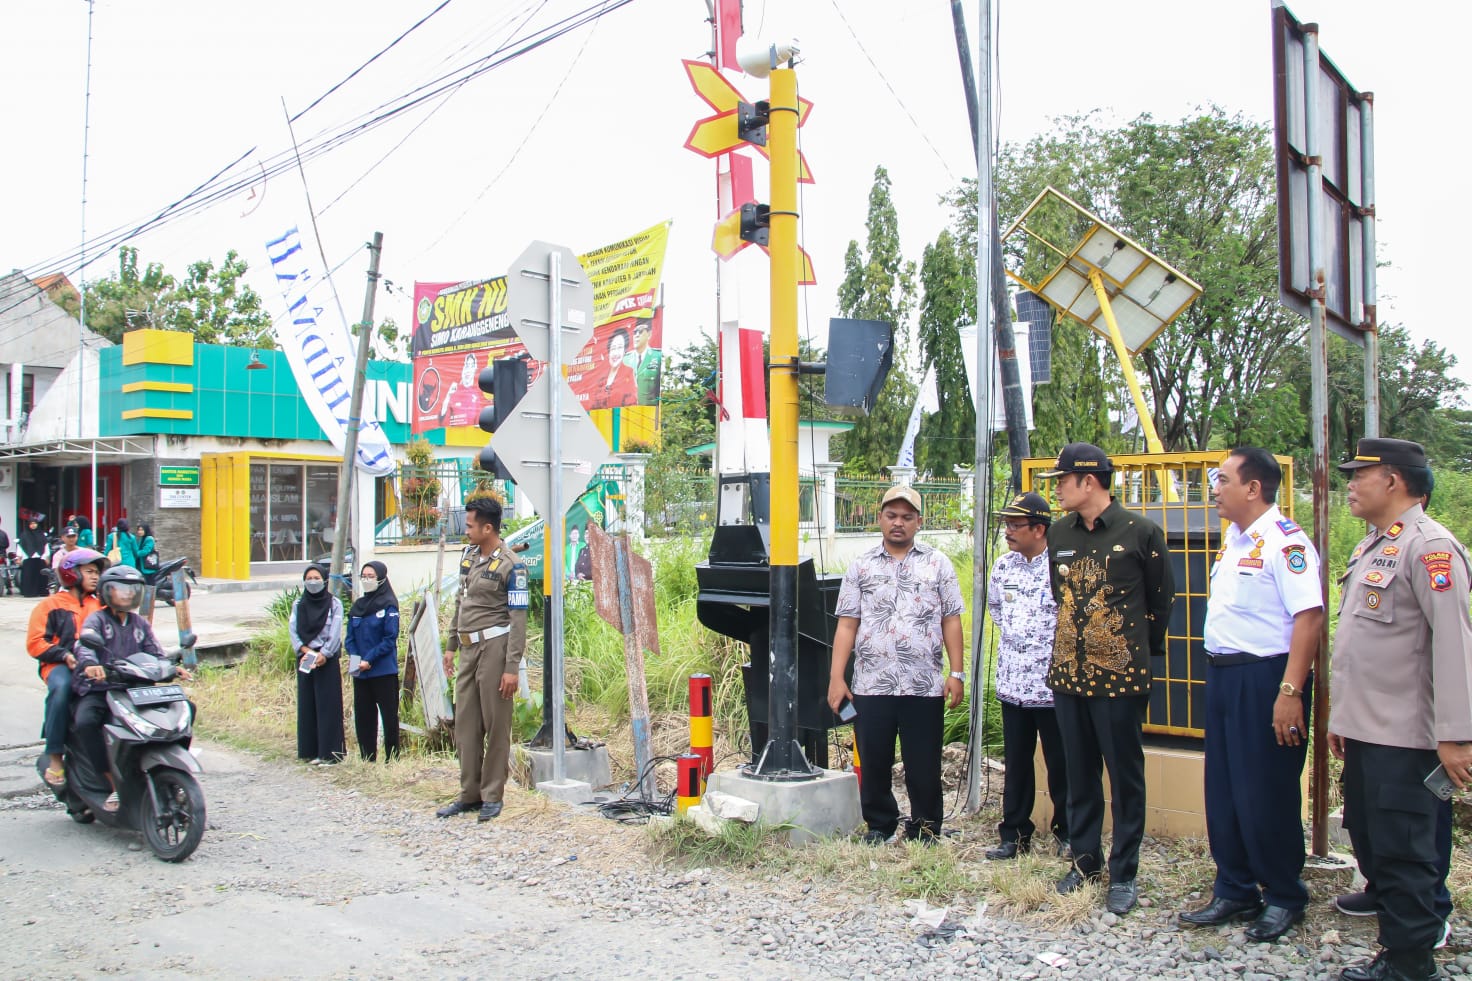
[(1346, 159)]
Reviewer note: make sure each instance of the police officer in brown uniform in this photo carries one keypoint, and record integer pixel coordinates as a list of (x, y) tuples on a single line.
[(489, 631), (1400, 697)]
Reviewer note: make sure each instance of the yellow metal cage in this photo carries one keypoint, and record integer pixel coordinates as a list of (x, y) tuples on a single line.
[(1174, 491)]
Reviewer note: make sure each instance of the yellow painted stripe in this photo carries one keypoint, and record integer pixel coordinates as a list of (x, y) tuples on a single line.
[(156, 386), (700, 731), (159, 414)]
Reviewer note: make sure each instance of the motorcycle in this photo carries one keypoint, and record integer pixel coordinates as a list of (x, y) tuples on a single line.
[(147, 739), (162, 579)]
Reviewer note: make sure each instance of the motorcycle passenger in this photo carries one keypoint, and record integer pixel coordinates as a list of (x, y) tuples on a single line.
[(112, 634), (55, 623)]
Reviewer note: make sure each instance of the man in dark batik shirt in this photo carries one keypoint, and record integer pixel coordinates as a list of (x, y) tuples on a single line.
[(1111, 576)]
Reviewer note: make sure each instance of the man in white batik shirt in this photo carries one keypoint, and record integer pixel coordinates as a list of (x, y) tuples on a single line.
[(1020, 600)]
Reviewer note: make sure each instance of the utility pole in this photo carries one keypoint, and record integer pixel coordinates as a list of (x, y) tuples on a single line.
[(1018, 444), (355, 412)]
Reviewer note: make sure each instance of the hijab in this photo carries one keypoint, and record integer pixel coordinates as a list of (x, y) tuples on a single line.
[(33, 540), (382, 598), (313, 609)]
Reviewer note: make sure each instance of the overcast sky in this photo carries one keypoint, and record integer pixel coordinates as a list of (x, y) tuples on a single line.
[(581, 141)]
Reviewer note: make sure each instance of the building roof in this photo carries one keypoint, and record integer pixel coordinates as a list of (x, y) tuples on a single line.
[(34, 330)]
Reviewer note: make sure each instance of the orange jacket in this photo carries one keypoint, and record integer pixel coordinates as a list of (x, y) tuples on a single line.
[(55, 623)]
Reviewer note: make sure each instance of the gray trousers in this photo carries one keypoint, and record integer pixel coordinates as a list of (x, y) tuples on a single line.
[(482, 721)]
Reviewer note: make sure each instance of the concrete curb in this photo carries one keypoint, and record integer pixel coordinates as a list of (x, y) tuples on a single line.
[(216, 586)]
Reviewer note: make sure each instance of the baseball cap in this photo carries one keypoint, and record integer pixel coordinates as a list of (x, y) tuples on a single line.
[(901, 492), (1079, 458), (1032, 506), (1372, 452), (69, 531)]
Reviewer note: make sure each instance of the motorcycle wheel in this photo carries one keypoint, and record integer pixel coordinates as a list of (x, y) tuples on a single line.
[(174, 834)]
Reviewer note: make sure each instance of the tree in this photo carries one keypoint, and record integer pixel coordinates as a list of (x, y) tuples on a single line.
[(1200, 194), (878, 284), (210, 302), (947, 437)]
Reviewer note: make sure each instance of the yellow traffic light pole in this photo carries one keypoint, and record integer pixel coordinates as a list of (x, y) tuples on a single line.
[(783, 758)]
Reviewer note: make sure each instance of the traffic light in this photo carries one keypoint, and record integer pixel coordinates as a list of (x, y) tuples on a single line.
[(504, 380)]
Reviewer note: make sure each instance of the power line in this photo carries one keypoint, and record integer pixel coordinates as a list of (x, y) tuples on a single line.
[(380, 53), (216, 190)]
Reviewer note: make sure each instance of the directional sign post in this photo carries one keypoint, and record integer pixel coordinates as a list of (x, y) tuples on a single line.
[(550, 303)]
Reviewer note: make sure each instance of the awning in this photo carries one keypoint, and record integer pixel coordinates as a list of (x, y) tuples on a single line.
[(79, 450)]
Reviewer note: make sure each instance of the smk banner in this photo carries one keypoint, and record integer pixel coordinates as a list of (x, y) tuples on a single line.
[(461, 327)]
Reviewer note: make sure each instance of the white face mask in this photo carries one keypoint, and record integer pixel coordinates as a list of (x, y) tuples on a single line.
[(369, 585), (315, 586)]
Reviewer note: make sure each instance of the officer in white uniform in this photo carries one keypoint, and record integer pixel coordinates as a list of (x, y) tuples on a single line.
[(1263, 623)]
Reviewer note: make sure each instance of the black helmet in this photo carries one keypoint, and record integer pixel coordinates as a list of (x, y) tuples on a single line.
[(121, 587)]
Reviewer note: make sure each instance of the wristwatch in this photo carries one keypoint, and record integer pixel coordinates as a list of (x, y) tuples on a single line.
[(1287, 688), (959, 675)]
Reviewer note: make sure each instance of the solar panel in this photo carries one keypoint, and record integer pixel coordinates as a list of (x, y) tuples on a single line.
[(1033, 309)]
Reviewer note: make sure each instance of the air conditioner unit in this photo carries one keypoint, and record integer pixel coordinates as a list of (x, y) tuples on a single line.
[(7, 477)]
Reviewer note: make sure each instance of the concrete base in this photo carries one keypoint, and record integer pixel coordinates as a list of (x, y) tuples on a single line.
[(823, 807), (567, 791), (587, 765)]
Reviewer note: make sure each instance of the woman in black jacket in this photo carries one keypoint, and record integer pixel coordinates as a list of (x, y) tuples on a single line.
[(316, 635)]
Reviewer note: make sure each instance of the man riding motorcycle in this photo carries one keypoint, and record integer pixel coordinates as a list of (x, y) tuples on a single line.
[(55, 624), (113, 633)]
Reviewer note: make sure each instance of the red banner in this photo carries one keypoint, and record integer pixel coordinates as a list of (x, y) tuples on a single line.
[(621, 365)]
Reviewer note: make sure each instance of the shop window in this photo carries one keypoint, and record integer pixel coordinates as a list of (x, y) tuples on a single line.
[(293, 510)]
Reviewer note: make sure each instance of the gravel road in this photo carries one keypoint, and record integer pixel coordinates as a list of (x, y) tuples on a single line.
[(299, 878)]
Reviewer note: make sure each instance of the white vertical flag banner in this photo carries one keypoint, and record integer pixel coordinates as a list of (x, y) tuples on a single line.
[(926, 402), (319, 348)]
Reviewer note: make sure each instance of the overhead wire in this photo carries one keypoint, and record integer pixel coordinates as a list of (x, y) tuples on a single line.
[(214, 190), (898, 101)]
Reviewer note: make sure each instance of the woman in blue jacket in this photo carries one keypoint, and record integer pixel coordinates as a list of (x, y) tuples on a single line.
[(373, 646)]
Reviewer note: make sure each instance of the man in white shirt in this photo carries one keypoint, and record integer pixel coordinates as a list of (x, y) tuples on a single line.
[(1263, 624), (1020, 601)]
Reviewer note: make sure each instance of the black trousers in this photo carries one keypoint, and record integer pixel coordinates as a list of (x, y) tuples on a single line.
[(1254, 800), (1022, 728), (918, 721), (1104, 732), (1392, 822), (319, 734), (374, 697), (89, 714)]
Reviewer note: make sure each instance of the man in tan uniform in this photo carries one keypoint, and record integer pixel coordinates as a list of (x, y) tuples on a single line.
[(1400, 697), (489, 630)]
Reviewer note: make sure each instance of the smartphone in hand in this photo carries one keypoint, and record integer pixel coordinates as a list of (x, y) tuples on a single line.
[(847, 712), (1439, 783)]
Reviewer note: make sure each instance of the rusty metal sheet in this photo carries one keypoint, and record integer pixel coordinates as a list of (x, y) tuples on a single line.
[(639, 606)]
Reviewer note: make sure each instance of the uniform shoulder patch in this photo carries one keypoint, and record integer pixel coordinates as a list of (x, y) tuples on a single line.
[(1438, 570), (1287, 527), (518, 595), (1296, 558)]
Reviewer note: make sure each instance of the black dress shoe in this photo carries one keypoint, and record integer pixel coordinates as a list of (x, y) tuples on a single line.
[(458, 807), (1220, 911), (1008, 850), (1273, 923), (488, 810), (1416, 965), (1122, 897), (1074, 881)]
